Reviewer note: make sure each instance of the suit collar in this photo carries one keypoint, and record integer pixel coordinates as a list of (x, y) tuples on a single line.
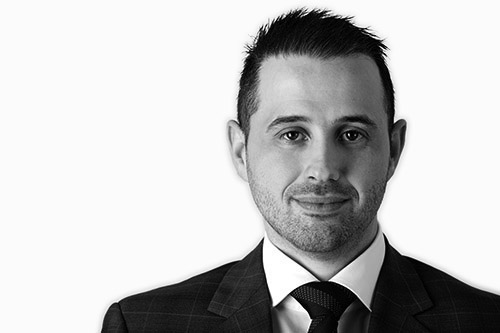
[(284, 274), (243, 297), (399, 296)]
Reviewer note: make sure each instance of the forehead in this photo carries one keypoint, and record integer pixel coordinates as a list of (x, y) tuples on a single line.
[(334, 87)]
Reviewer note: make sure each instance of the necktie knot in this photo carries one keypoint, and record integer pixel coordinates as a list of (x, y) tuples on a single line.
[(325, 302)]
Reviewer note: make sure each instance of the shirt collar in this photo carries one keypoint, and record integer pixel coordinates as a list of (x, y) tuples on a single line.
[(283, 274)]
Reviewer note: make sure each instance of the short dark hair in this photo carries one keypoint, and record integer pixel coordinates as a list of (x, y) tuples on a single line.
[(316, 33)]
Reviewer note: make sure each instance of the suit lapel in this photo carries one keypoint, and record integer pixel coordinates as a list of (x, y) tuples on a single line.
[(399, 295), (243, 297)]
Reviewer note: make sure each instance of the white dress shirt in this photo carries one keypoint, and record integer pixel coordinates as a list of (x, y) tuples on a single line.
[(283, 275)]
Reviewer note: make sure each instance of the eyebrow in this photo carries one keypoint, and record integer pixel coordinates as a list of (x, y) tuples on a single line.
[(286, 120), (362, 119)]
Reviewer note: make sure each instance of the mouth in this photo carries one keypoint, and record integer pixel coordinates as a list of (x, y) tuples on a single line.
[(320, 206)]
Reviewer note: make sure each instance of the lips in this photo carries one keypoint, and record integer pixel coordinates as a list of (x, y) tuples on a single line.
[(320, 205)]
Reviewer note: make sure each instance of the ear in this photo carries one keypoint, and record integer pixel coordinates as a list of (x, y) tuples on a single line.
[(237, 148), (397, 142)]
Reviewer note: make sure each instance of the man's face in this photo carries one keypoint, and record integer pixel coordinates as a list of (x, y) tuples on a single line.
[(317, 157)]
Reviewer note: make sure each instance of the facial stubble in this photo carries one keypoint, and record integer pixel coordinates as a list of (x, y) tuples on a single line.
[(319, 235)]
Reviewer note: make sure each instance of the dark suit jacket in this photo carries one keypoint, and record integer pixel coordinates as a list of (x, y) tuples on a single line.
[(410, 296)]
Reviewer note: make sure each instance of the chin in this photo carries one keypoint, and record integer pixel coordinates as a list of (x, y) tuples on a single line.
[(329, 238)]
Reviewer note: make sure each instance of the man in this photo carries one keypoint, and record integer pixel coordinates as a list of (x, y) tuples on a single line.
[(317, 142)]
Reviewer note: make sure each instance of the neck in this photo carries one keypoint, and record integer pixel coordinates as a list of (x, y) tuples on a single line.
[(325, 265)]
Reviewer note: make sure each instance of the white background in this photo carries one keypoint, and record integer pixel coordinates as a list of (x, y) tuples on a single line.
[(115, 176)]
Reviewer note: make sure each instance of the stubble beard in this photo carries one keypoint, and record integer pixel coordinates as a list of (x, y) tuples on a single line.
[(314, 235)]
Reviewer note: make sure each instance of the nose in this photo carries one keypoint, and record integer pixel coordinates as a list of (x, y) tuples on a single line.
[(323, 162)]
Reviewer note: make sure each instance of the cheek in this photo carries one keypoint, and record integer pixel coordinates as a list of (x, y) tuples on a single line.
[(274, 169), (366, 171)]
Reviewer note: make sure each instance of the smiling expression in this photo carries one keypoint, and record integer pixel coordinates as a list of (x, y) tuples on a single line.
[(318, 154)]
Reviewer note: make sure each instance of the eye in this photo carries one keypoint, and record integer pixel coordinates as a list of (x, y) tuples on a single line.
[(293, 136), (351, 136)]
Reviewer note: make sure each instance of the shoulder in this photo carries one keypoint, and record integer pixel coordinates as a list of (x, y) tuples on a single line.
[(200, 303), (445, 287), (455, 303), (175, 306), (200, 288), (428, 298), (434, 298)]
